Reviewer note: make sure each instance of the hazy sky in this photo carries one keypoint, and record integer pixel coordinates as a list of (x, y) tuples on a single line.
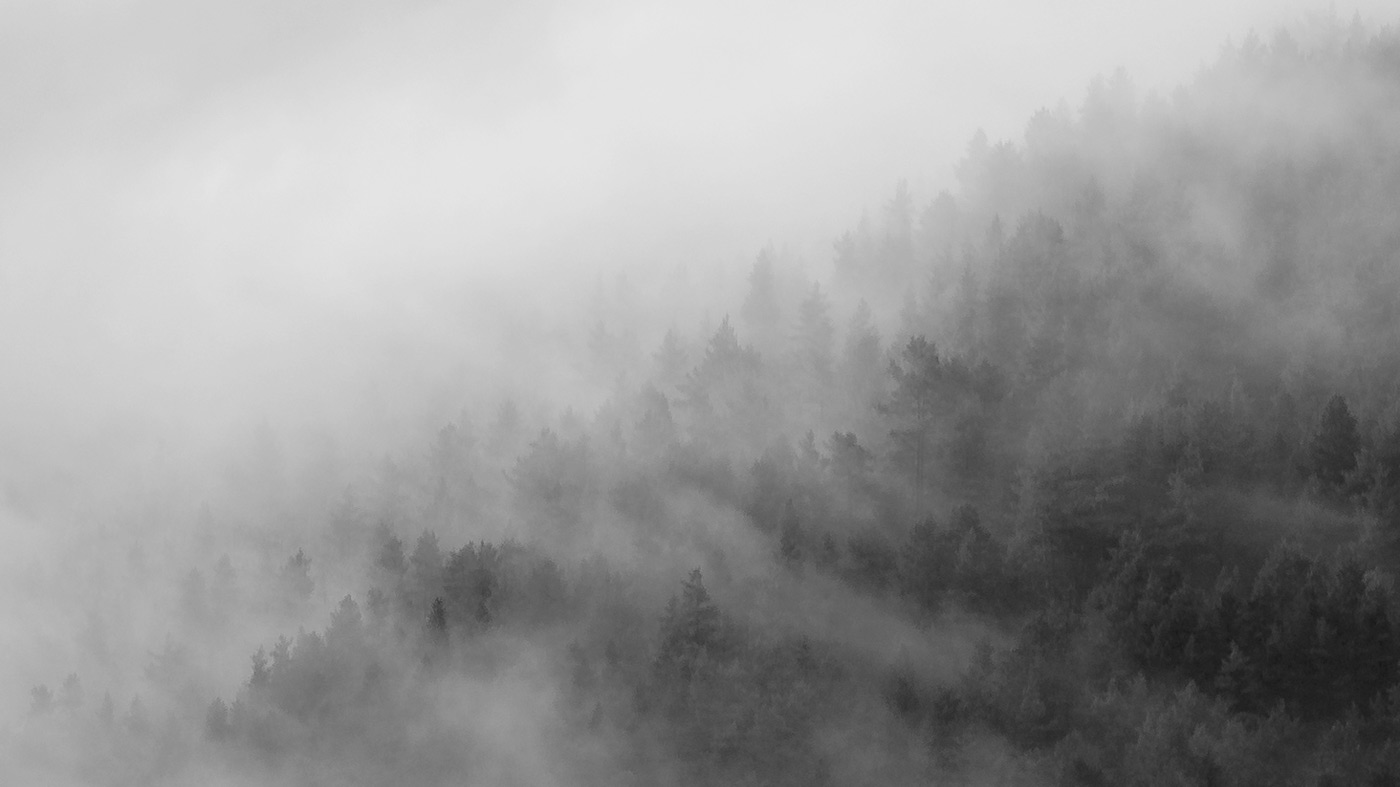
[(212, 208)]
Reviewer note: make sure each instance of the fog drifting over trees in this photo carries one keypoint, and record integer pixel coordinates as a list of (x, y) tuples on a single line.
[(549, 394)]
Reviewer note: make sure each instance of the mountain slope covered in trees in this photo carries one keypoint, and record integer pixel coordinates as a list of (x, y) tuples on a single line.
[(1085, 473)]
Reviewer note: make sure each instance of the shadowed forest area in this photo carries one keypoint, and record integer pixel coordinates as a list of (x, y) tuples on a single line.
[(1084, 472)]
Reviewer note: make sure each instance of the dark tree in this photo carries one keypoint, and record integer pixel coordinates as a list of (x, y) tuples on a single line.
[(71, 694), (862, 367), (926, 564), (655, 426), (391, 559), (471, 580), (790, 535), (862, 350), (216, 721), (425, 566), (437, 623), (1383, 478), (346, 628), (1335, 445), (724, 394), (849, 460), (815, 334), (296, 578), (849, 260), (40, 700), (690, 631), (872, 562), (261, 674), (552, 480), (913, 411), (769, 488)]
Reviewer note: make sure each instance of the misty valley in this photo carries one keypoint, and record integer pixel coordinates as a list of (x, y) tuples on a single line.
[(1082, 471)]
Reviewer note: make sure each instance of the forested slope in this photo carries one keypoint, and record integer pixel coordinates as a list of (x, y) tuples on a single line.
[(1087, 472)]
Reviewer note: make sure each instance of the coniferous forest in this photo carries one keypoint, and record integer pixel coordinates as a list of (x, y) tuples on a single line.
[(1084, 472)]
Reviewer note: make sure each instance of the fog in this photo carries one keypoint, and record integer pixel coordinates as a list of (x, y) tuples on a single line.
[(221, 211), (340, 275)]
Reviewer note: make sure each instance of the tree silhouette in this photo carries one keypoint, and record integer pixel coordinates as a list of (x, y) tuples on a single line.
[(790, 535), (1335, 445), (912, 410), (761, 311), (437, 623), (815, 334), (690, 631)]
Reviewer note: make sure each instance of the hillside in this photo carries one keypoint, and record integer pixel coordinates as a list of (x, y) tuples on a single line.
[(1086, 471)]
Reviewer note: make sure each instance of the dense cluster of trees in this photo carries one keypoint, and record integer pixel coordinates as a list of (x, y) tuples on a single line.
[(1120, 407)]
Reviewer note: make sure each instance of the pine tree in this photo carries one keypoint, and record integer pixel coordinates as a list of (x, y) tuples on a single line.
[(425, 568), (1238, 680), (790, 535), (850, 462), (725, 395), (347, 624), (71, 694), (912, 411), (216, 720), (655, 426), (261, 676), (849, 261), (862, 365), (815, 333), (40, 700), (967, 308), (670, 359), (690, 631), (1335, 445), (927, 563), (437, 622), (898, 249), (296, 578), (391, 558), (1374, 650), (767, 491), (760, 311), (1383, 480)]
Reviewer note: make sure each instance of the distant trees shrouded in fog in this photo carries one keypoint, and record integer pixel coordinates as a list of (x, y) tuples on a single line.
[(1085, 473)]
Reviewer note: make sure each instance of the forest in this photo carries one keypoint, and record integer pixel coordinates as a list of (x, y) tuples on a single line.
[(1083, 472)]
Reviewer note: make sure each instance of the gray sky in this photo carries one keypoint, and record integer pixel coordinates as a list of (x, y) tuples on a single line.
[(210, 209)]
